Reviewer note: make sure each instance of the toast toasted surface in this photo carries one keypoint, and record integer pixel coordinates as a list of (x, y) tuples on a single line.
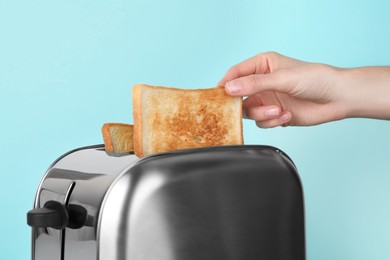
[(168, 119), (118, 138)]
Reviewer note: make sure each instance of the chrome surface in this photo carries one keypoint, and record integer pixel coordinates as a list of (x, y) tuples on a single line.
[(91, 171), (233, 202)]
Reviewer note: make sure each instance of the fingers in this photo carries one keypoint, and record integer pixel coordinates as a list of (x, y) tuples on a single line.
[(267, 116), (247, 67), (259, 64), (261, 113), (282, 120), (265, 71), (252, 84)]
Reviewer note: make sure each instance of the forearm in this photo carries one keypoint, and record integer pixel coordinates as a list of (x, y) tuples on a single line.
[(366, 91)]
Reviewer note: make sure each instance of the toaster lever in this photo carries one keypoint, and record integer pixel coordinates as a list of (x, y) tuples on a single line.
[(53, 214), (77, 216)]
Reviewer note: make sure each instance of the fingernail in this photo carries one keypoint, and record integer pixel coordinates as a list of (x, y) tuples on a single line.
[(285, 117), (233, 87), (272, 112)]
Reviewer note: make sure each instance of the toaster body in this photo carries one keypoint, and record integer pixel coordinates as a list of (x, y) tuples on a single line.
[(228, 202)]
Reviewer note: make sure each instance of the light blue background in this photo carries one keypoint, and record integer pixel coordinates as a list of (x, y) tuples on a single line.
[(66, 67)]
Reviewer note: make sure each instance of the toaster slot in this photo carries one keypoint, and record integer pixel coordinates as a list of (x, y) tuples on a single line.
[(63, 231)]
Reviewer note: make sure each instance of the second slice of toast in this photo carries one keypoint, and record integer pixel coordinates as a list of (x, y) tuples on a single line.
[(118, 137), (167, 119)]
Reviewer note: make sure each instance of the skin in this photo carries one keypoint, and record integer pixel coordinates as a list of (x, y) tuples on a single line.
[(282, 91)]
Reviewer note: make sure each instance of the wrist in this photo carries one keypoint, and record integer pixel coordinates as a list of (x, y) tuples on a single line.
[(366, 92)]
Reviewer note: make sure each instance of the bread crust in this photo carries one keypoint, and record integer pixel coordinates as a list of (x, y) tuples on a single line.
[(137, 117), (201, 118), (107, 138), (241, 126)]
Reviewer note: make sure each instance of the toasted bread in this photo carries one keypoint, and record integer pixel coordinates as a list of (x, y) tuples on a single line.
[(167, 119), (118, 138)]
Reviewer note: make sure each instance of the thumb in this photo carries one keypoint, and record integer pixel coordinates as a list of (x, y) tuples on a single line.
[(252, 84)]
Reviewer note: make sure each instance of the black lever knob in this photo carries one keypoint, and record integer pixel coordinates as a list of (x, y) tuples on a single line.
[(77, 216), (53, 214)]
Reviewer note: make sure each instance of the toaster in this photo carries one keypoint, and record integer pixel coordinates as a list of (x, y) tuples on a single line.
[(229, 202)]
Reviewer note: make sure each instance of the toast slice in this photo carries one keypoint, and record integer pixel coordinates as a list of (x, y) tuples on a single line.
[(118, 138), (167, 119)]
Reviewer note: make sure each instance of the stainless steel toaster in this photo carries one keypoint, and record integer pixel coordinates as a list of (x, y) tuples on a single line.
[(230, 202)]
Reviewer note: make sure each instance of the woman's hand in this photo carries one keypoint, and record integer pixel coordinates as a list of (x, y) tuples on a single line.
[(283, 91)]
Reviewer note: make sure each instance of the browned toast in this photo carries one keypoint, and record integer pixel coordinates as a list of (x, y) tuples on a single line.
[(118, 138), (167, 119)]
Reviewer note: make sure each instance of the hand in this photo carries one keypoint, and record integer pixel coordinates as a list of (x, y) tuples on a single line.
[(285, 91)]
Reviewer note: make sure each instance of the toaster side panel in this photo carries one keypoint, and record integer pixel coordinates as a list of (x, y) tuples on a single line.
[(81, 179), (243, 202)]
